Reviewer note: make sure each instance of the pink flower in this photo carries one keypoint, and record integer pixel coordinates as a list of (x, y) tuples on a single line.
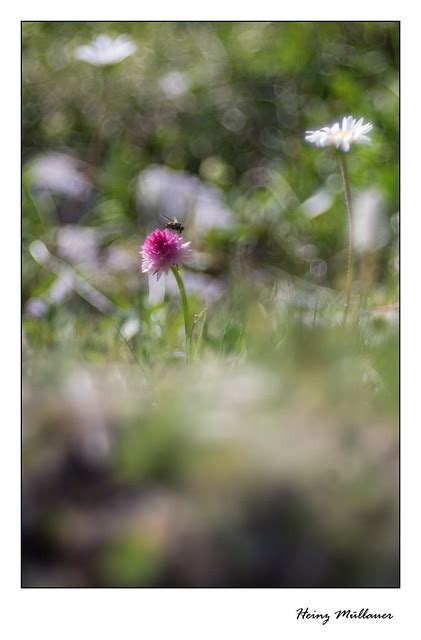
[(162, 250)]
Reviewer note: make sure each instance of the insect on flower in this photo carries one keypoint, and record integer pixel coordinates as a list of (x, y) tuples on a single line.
[(163, 250), (174, 225)]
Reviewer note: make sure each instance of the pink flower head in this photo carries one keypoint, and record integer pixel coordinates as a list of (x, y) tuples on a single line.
[(162, 250)]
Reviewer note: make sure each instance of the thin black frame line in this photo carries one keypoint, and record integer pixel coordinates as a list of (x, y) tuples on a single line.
[(22, 22)]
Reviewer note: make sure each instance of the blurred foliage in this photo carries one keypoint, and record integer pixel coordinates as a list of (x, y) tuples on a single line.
[(272, 460)]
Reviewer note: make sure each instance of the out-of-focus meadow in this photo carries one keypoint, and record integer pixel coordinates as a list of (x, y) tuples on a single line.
[(271, 460)]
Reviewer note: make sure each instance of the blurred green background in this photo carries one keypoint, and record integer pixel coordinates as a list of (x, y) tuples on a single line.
[(272, 460)]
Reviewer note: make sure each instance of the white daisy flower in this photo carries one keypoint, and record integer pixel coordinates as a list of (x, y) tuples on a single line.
[(342, 137), (104, 50)]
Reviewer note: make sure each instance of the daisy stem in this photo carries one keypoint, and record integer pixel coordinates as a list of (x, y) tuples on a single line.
[(348, 201), (185, 305)]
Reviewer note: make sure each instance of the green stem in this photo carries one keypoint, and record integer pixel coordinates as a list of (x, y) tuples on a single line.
[(348, 201), (185, 305)]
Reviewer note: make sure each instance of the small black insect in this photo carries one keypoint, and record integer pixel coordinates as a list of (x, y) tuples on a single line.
[(174, 225)]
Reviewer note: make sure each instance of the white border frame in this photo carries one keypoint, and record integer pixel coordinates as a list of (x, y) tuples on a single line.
[(206, 613)]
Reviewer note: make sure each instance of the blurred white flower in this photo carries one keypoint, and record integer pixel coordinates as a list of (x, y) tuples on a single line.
[(317, 203), (104, 50), (162, 191), (342, 137), (156, 289), (61, 174), (370, 229), (174, 84)]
